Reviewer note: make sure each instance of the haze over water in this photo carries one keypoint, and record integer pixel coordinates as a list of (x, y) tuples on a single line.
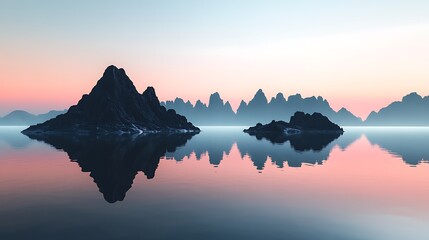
[(369, 183)]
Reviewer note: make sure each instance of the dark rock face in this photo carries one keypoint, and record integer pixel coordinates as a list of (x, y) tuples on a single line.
[(313, 122), (299, 123), (115, 106)]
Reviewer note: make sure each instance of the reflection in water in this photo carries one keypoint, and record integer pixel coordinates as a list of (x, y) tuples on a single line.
[(301, 149), (12, 138), (411, 144), (113, 162), (304, 148), (360, 192)]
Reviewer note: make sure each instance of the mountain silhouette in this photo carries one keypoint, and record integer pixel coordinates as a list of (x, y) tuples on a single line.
[(23, 118), (296, 151), (413, 110), (259, 109), (413, 153), (114, 105), (113, 162), (302, 149), (215, 113)]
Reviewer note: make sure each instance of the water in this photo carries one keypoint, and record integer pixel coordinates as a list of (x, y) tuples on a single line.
[(369, 183)]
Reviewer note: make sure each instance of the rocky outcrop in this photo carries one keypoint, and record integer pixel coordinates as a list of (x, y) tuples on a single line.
[(299, 122), (115, 106)]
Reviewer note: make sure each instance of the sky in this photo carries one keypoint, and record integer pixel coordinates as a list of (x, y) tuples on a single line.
[(361, 55)]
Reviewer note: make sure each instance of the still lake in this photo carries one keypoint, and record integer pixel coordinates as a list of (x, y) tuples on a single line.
[(369, 183)]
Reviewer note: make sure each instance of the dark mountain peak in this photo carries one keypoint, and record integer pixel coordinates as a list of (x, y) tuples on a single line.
[(279, 99), (179, 101), (150, 97), (215, 100), (280, 96), (228, 105), (114, 105), (241, 107), (150, 91), (296, 97), (412, 97), (315, 121), (259, 98), (242, 104), (114, 77), (112, 69), (343, 109), (200, 105), (260, 92)]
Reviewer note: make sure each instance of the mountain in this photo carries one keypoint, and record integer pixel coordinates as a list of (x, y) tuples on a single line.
[(259, 109), (413, 110), (23, 118), (215, 113), (115, 106)]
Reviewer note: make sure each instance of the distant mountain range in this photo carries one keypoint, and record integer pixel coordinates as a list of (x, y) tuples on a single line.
[(413, 110), (258, 110), (23, 118)]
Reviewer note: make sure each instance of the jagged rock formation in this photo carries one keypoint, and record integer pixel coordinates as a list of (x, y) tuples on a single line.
[(115, 106), (215, 113), (300, 123), (259, 109)]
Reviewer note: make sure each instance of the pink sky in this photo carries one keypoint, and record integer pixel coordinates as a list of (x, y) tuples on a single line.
[(42, 88), (360, 56)]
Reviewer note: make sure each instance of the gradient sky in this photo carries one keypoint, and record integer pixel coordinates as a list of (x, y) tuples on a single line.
[(357, 54)]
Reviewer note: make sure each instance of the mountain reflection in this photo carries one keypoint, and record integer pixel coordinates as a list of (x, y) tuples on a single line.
[(304, 148), (411, 144), (310, 149), (113, 162)]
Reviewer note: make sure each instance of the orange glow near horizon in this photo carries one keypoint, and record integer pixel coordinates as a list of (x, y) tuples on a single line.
[(360, 57), (53, 90)]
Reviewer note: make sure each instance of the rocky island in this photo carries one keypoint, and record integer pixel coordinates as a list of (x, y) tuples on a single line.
[(114, 106), (301, 124)]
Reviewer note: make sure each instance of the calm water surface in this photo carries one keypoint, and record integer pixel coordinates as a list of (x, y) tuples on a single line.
[(369, 183)]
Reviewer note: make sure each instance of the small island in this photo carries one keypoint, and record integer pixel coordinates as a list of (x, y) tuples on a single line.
[(115, 107), (300, 124)]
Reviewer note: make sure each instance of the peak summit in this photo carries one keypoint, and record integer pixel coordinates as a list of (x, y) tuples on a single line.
[(259, 99), (412, 97), (215, 100), (114, 105)]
